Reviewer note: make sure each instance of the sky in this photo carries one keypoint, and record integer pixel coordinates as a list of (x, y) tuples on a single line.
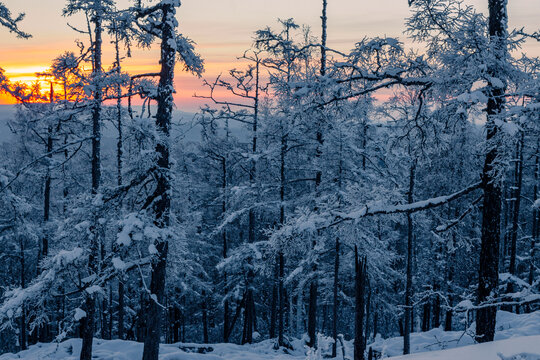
[(222, 29)]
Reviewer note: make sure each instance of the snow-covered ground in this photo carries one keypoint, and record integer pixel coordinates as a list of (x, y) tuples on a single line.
[(509, 325), (520, 348), (517, 338), (130, 350)]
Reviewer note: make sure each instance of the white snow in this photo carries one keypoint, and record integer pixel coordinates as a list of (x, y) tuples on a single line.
[(152, 250), (130, 350), (94, 289), (523, 348), (79, 314), (119, 264), (517, 338), (509, 325)]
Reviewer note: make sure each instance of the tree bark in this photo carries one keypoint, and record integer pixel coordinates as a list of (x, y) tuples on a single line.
[(162, 204), (408, 281), (225, 248), (23, 329), (360, 285), (204, 318), (534, 235), (368, 310), (312, 314), (281, 257), (281, 299), (426, 315), (274, 303), (313, 287), (518, 180), (488, 273), (335, 303), (250, 314), (88, 322)]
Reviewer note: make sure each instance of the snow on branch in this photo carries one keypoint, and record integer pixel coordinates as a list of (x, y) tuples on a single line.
[(11, 23), (450, 224), (311, 222), (368, 210), (185, 47)]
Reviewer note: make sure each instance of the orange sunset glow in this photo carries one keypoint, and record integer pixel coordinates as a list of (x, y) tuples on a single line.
[(222, 30)]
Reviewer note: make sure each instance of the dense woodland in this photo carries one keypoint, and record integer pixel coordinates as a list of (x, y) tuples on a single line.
[(378, 191)]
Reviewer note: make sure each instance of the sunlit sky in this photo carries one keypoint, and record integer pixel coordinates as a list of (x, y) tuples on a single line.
[(222, 29)]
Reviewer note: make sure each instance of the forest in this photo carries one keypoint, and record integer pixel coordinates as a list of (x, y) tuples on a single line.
[(320, 200)]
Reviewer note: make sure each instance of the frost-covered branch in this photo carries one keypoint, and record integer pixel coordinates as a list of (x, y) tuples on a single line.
[(11, 23)]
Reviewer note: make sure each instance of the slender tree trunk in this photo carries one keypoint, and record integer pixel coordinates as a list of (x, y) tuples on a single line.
[(247, 334), (225, 248), (436, 313), (368, 311), (23, 329), (162, 204), (312, 313), (426, 315), (43, 330), (376, 321), (88, 322), (47, 198), (299, 312), (119, 180), (281, 257), (250, 314), (360, 286), (488, 273), (313, 287), (204, 318), (281, 299), (274, 303), (335, 302), (449, 282), (408, 281), (535, 231), (176, 324), (121, 306), (506, 209), (518, 180)]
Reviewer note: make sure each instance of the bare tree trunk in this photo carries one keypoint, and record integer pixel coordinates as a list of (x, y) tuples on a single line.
[(368, 311), (313, 287), (204, 318), (436, 313), (119, 180), (488, 273), (250, 314), (43, 330), (518, 180), (225, 247), (88, 322), (23, 329), (247, 334), (299, 312), (535, 231), (274, 303), (162, 204), (281, 258), (281, 299), (426, 315), (449, 281), (408, 281), (335, 303), (360, 286), (176, 324)]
